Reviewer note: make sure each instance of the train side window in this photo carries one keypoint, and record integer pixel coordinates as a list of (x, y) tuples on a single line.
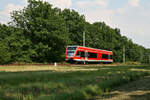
[(82, 54), (111, 57), (78, 54), (92, 55), (105, 56)]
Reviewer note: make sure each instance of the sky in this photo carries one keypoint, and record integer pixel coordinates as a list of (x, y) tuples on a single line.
[(132, 17)]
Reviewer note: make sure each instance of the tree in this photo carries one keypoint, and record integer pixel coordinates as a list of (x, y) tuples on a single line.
[(75, 24), (45, 28), (40, 33), (5, 55)]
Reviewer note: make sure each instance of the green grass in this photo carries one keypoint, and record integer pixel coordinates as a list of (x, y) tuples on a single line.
[(67, 85)]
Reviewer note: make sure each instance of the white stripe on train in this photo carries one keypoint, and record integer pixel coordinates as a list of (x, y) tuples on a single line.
[(92, 60)]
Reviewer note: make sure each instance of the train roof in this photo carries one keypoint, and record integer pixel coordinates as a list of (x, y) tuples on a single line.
[(88, 47)]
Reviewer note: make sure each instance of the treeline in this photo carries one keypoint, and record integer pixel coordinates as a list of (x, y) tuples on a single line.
[(40, 33)]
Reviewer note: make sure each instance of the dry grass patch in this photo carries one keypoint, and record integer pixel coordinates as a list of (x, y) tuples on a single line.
[(44, 68)]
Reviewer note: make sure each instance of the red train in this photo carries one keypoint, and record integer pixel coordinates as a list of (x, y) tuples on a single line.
[(86, 54)]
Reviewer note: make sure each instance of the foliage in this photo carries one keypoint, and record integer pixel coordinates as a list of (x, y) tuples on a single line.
[(39, 33), (75, 24)]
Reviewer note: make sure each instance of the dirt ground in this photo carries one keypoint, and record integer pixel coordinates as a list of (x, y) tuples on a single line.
[(137, 90)]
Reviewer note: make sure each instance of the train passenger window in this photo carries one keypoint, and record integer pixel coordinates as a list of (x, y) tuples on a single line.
[(82, 54), (78, 54), (105, 56), (111, 57), (92, 55)]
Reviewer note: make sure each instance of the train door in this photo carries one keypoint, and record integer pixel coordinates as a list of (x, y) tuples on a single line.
[(108, 56), (86, 55)]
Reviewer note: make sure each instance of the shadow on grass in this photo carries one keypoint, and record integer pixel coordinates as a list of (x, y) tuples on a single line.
[(136, 90), (145, 96)]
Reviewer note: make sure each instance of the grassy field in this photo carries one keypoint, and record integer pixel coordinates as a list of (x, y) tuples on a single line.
[(65, 82), (136, 90)]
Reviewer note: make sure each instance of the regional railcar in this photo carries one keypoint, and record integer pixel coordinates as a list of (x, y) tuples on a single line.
[(86, 54)]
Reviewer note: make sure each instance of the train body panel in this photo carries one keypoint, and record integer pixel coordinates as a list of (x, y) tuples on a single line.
[(81, 54)]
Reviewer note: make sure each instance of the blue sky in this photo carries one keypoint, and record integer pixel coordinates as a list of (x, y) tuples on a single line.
[(131, 16)]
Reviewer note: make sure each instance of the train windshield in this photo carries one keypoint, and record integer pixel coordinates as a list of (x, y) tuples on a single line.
[(71, 50), (70, 53)]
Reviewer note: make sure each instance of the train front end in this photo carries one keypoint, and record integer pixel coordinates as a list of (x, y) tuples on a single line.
[(70, 53)]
